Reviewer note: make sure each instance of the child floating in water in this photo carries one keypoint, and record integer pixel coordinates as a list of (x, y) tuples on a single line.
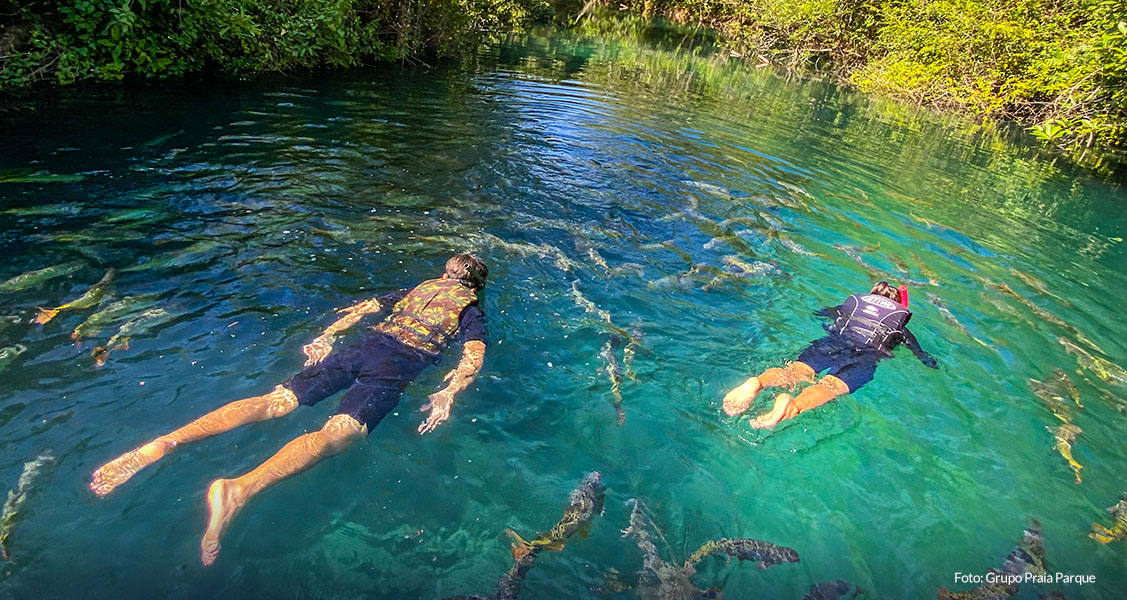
[(865, 330)]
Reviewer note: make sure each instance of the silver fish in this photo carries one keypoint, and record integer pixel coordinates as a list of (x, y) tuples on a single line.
[(32, 470), (669, 580), (136, 325), (114, 311), (33, 278), (9, 353), (614, 373)]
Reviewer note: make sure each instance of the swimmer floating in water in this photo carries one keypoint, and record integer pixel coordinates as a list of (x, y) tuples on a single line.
[(423, 322), (865, 330)]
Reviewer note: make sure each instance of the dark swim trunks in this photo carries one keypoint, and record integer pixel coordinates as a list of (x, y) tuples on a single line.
[(852, 362), (375, 372)]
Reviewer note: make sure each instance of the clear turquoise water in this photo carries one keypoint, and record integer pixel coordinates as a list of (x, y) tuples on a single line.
[(269, 204)]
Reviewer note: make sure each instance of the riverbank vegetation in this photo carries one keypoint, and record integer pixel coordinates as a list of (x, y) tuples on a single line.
[(72, 40), (1059, 67)]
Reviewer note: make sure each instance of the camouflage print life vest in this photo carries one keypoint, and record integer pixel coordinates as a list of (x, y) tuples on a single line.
[(427, 317)]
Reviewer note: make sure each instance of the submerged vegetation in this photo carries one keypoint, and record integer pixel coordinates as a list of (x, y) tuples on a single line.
[(1058, 67)]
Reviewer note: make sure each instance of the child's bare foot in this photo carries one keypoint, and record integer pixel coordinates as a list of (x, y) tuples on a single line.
[(776, 414), (738, 400), (120, 469), (224, 499)]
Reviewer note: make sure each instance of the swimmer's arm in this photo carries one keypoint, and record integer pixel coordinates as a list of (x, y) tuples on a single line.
[(829, 311), (473, 356), (322, 345), (914, 345)]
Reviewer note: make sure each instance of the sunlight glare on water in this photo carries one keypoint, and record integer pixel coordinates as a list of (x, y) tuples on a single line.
[(708, 208)]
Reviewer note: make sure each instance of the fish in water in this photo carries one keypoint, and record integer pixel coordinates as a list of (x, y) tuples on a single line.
[(948, 316), (29, 176), (199, 253), (630, 350), (1038, 285), (668, 580), (738, 268), (1066, 435), (38, 276), (1118, 529), (586, 501), (9, 353), (630, 267), (932, 278), (831, 590), (1041, 313), (678, 280), (32, 470), (901, 266), (764, 554), (1100, 367), (854, 253), (598, 259), (7, 321), (614, 373), (1056, 388), (1026, 558), (137, 325), (795, 247), (92, 296), (114, 311), (590, 307)]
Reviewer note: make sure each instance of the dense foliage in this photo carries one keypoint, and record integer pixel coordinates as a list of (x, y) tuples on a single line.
[(72, 40), (1058, 66)]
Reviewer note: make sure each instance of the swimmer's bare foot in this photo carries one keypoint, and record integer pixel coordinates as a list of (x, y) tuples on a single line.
[(739, 399), (120, 469), (224, 498), (776, 414)]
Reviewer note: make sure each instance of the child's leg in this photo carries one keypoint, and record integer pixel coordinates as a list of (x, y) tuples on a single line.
[(814, 396), (739, 399)]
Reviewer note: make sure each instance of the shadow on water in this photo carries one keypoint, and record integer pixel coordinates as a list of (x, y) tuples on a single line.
[(660, 221)]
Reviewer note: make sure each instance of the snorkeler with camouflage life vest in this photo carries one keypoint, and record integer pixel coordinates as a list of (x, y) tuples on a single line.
[(423, 323), (864, 331)]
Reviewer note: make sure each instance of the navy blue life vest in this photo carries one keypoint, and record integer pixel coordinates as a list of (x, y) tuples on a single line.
[(872, 319)]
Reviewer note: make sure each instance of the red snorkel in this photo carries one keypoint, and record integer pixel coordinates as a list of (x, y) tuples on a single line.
[(904, 295)]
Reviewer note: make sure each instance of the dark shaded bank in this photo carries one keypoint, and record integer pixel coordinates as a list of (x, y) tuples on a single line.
[(1058, 67)]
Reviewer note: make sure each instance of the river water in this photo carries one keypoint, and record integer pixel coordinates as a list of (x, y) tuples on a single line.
[(707, 206)]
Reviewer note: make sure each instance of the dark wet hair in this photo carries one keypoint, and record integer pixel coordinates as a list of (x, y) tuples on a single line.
[(468, 269), (884, 288)]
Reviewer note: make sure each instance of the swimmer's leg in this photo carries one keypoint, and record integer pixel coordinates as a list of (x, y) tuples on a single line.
[(226, 496), (739, 399), (812, 397), (280, 401)]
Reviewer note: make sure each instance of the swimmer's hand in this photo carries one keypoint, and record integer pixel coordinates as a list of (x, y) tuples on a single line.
[(318, 349), (439, 407)]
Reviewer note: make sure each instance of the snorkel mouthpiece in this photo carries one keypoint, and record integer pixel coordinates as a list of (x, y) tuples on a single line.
[(904, 295)]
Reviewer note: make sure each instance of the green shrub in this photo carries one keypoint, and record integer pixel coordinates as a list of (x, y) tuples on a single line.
[(1057, 66)]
